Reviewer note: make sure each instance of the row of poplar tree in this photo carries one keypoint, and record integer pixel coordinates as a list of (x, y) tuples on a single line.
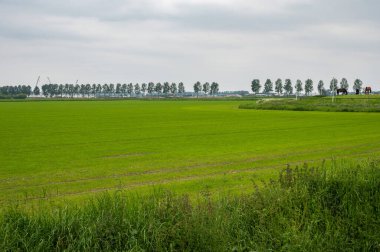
[(12, 91), (109, 90), (286, 87)]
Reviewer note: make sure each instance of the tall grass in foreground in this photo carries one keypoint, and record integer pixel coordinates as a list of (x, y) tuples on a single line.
[(316, 209)]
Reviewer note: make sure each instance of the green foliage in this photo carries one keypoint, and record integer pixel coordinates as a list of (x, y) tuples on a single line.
[(288, 87), (181, 88), (151, 88), (197, 88), (166, 88), (334, 85), (321, 85), (278, 86), (206, 88), (214, 88), (268, 86), (357, 85), (344, 83), (173, 88), (298, 86), (308, 86), (327, 208), (255, 86), (158, 88)]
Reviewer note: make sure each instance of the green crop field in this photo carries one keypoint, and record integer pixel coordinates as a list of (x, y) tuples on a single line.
[(54, 151)]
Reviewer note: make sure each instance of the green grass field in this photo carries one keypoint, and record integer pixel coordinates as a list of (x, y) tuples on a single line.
[(53, 151)]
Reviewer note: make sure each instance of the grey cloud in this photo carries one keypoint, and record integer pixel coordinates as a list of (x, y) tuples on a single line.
[(196, 39)]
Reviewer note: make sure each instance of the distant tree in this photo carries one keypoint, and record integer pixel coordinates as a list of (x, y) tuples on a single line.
[(298, 87), (278, 86), (93, 90), (173, 88), (71, 90), (206, 88), (66, 90), (60, 89), (151, 88), (123, 89), (130, 89), (105, 89), (357, 85), (321, 87), (45, 90), (143, 88), (98, 89), (77, 89), (344, 83), (333, 85), (88, 90), (288, 87), (166, 88), (118, 89), (54, 89), (255, 86), (181, 88), (308, 86), (112, 89), (268, 86), (214, 88), (82, 90), (36, 90), (197, 88), (137, 89), (28, 90), (158, 89)]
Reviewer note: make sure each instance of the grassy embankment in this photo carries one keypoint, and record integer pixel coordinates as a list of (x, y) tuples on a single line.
[(327, 208), (350, 103), (57, 151)]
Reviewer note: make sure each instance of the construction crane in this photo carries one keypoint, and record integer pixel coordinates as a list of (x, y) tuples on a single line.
[(38, 80)]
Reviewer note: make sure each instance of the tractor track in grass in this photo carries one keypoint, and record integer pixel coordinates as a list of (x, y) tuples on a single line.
[(176, 170), (181, 179), (38, 148)]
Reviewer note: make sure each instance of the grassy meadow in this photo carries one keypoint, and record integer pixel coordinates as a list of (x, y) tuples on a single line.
[(57, 151), (186, 175)]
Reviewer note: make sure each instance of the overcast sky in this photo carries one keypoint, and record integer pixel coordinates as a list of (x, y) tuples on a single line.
[(228, 41)]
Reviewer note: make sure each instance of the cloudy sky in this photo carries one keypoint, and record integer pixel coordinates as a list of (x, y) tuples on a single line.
[(228, 41)]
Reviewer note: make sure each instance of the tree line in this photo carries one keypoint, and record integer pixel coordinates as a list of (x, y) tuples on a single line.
[(287, 88), (206, 88), (108, 90), (20, 91)]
